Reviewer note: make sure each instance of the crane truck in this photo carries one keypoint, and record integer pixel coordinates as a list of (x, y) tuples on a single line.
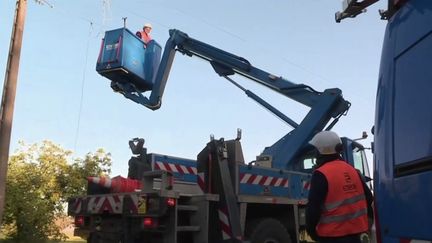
[(217, 197), (402, 129)]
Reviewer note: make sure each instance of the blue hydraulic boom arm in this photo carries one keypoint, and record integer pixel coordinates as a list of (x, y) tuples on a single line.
[(324, 106)]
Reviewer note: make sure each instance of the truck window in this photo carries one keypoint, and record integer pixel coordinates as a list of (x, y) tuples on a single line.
[(361, 164), (359, 160), (309, 163)]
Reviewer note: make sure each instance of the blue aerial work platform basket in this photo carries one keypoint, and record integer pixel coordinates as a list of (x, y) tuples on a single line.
[(123, 58)]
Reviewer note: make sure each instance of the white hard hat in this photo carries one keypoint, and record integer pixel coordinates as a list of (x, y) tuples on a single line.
[(326, 142), (147, 26)]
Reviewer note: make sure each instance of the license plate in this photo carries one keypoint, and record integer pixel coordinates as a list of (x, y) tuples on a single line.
[(142, 205)]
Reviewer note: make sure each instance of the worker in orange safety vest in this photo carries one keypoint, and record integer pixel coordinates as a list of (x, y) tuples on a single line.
[(145, 34), (339, 203)]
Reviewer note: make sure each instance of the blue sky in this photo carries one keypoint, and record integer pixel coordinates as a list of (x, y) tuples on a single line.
[(60, 96)]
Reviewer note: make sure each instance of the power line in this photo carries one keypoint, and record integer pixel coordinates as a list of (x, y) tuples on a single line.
[(201, 20), (44, 2), (63, 12), (106, 11), (82, 87)]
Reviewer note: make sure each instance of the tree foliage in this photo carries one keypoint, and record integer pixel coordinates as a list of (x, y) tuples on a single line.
[(41, 177)]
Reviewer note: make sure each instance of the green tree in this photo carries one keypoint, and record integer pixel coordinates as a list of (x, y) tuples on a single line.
[(40, 179)]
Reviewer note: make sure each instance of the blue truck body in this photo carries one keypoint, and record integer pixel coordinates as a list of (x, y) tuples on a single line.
[(182, 169), (250, 180), (403, 127)]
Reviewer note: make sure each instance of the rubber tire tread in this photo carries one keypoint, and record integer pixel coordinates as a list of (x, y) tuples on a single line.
[(260, 230), (96, 238)]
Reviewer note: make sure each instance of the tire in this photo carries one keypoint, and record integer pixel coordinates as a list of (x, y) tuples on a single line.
[(98, 238), (93, 238), (267, 230)]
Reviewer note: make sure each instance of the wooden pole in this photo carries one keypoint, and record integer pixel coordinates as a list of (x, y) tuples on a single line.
[(8, 98)]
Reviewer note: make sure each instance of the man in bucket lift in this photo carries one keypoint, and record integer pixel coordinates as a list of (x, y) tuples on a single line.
[(145, 34)]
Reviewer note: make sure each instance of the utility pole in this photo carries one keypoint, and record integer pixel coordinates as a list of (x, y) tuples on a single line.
[(8, 98)]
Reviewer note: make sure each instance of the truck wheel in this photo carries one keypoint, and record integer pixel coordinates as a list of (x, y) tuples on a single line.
[(97, 238), (93, 238), (267, 230)]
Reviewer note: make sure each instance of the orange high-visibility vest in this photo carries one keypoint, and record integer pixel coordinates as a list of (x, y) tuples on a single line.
[(145, 37), (345, 207)]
